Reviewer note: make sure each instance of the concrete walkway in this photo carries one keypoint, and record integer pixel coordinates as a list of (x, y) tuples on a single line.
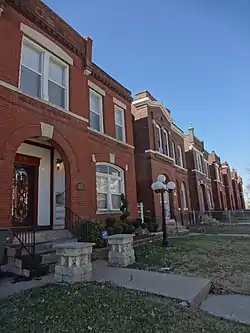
[(192, 290), (232, 307)]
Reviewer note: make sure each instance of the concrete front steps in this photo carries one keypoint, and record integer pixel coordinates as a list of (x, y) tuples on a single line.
[(22, 264), (176, 228)]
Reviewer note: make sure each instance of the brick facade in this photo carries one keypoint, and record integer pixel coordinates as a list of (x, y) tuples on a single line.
[(199, 178), (237, 190), (21, 115), (157, 139), (219, 195), (227, 181)]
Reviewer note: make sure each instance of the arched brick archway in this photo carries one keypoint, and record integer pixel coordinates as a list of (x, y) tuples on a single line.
[(8, 153)]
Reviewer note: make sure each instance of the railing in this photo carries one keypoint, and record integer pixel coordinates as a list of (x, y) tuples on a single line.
[(74, 221), (223, 216), (26, 237)]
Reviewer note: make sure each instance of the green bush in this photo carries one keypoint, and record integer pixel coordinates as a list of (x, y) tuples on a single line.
[(110, 230), (90, 231), (110, 221), (118, 228), (135, 222)]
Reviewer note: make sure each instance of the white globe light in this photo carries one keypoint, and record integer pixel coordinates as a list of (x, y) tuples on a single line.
[(170, 185), (159, 185), (161, 178), (153, 187)]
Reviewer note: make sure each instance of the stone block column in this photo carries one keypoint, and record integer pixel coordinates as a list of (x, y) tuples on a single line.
[(121, 252), (75, 262)]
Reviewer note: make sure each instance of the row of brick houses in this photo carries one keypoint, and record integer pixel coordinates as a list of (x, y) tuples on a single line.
[(73, 138)]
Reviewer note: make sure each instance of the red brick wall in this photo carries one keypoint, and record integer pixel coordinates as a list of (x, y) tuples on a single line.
[(21, 116)]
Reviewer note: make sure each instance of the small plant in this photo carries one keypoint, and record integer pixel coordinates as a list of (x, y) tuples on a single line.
[(118, 229), (90, 231), (110, 221), (110, 230), (124, 208)]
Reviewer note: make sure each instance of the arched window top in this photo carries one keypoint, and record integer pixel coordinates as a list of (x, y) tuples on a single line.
[(109, 169)]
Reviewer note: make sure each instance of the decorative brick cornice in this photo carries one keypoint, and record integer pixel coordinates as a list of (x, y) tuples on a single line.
[(38, 13), (111, 83)]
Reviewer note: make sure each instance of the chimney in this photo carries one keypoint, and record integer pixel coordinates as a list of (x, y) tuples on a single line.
[(89, 44), (144, 94), (191, 132)]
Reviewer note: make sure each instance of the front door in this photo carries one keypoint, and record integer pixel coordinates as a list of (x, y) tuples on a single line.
[(24, 194)]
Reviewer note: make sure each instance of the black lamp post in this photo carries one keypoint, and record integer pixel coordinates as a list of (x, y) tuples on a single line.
[(160, 187)]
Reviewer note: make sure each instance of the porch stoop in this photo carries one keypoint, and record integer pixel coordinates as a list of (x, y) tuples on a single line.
[(21, 263), (176, 228)]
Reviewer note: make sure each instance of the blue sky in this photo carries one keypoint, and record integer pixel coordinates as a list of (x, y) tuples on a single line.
[(192, 55)]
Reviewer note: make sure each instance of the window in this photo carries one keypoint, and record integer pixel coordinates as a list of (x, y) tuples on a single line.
[(180, 155), (206, 168), (217, 172), (166, 143), (183, 196), (109, 187), (43, 75), (96, 115), (199, 161), (158, 139), (119, 124), (173, 151)]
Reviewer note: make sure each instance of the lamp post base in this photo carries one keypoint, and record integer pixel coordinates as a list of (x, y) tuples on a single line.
[(165, 243)]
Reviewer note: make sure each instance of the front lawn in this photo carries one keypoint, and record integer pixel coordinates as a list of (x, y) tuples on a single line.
[(100, 309), (224, 260)]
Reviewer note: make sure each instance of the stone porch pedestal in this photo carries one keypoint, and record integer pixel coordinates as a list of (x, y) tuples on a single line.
[(121, 252), (75, 262)]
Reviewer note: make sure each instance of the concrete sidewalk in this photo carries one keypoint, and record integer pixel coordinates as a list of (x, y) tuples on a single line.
[(189, 289)]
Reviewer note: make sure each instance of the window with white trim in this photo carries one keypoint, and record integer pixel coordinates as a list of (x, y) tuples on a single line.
[(158, 139), (166, 142), (119, 124), (96, 114), (183, 196), (180, 156), (43, 75), (199, 161), (173, 151), (109, 187), (206, 168)]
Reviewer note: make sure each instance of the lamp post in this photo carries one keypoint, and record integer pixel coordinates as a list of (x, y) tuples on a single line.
[(160, 187)]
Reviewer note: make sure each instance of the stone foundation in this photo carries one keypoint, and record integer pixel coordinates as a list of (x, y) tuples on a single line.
[(75, 262), (121, 252)]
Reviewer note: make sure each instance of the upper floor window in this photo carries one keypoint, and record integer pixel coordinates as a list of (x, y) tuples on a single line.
[(96, 114), (183, 196), (173, 151), (43, 75), (180, 155), (217, 172), (158, 139), (119, 124), (166, 143), (199, 161), (206, 168), (109, 187)]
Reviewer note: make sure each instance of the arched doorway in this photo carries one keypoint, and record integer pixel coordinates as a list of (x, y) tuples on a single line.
[(39, 185)]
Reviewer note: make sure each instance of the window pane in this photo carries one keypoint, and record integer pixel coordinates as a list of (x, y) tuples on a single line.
[(119, 116), (95, 102), (119, 132), (114, 171), (101, 184), (95, 121), (56, 94), (116, 201), (102, 201), (115, 186), (102, 168), (30, 82), (56, 72), (31, 58)]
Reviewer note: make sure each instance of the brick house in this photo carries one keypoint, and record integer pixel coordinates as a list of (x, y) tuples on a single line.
[(199, 179), (219, 195), (238, 192), (66, 125), (227, 181), (159, 149)]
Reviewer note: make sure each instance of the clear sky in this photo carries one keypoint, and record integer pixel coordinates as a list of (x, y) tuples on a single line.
[(192, 55)]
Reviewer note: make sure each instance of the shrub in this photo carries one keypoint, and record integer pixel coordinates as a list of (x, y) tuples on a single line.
[(118, 229), (90, 231), (135, 222), (144, 225), (110, 230), (110, 221), (124, 208), (153, 227)]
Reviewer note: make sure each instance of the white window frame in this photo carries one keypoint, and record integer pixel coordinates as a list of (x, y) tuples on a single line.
[(173, 151), (158, 129), (109, 195), (46, 56), (120, 109), (183, 196), (167, 142), (100, 97), (180, 155)]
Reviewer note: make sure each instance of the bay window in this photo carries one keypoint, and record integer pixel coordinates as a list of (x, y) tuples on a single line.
[(109, 187), (43, 75)]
